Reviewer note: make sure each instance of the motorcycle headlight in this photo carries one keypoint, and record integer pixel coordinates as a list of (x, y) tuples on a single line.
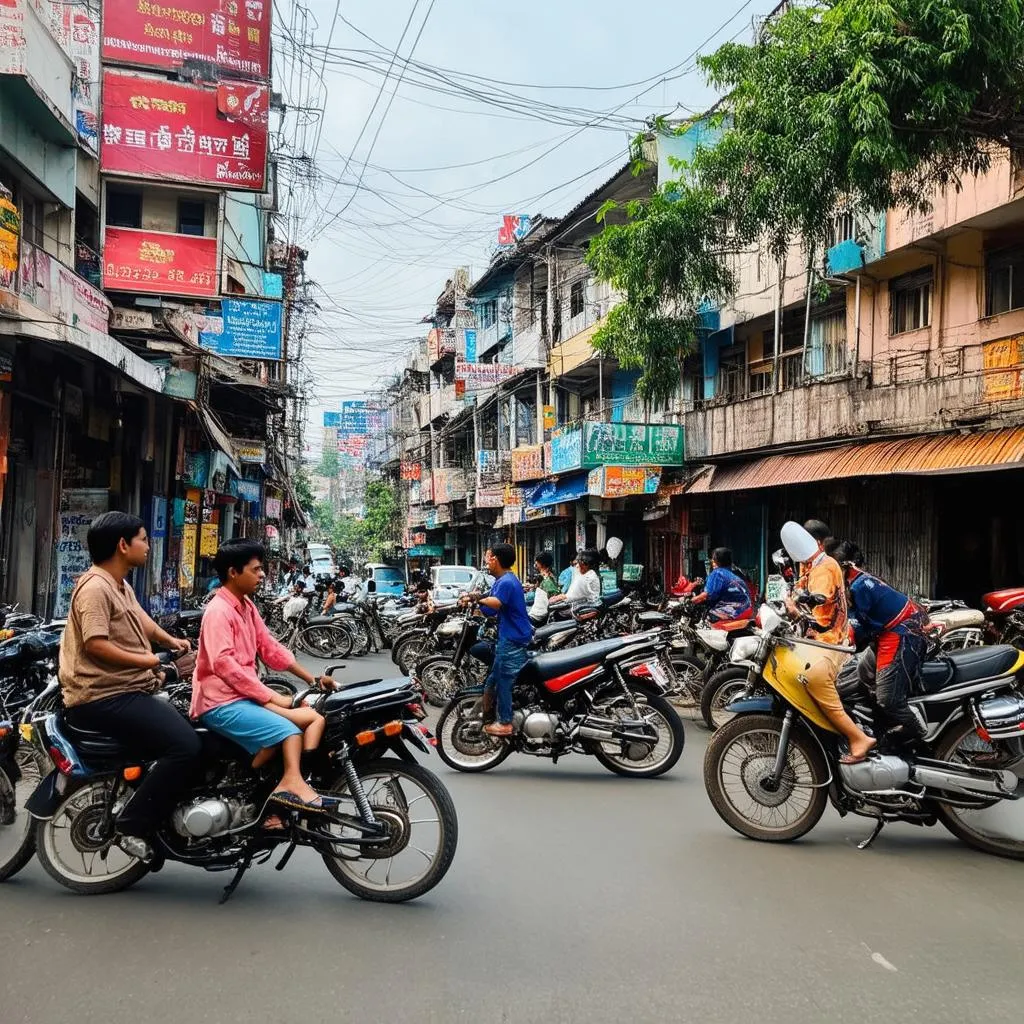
[(744, 648)]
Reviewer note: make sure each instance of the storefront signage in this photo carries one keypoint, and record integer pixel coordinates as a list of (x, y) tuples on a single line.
[(449, 485), (249, 329), (251, 451), (273, 506), (469, 345), (616, 444), (426, 551), (208, 540), (1003, 362), (78, 508), (10, 229), (234, 35), (197, 468), (160, 263), (247, 490), (483, 376), (171, 131), (411, 470), (528, 462), (564, 489), (490, 496), (623, 481), (59, 291), (131, 319), (180, 383)]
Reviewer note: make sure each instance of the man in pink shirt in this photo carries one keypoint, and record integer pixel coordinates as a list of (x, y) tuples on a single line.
[(227, 694)]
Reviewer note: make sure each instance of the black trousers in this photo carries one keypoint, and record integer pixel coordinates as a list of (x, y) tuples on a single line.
[(151, 730)]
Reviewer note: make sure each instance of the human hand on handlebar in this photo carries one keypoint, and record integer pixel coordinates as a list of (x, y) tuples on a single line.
[(327, 683)]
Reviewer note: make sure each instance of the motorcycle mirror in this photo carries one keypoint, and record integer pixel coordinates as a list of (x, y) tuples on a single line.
[(613, 548), (799, 544), (779, 558)]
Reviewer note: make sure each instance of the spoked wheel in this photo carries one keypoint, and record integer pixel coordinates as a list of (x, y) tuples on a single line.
[(642, 758), (360, 634), (17, 839), (329, 641), (283, 685), (461, 741), (407, 653), (440, 680), (992, 826), (422, 831), (685, 694), (76, 849), (738, 766), (719, 692)]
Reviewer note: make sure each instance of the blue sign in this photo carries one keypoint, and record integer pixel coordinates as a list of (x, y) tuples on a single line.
[(248, 490), (470, 346), (554, 492), (332, 420), (252, 330), (273, 285), (354, 418), (566, 450)]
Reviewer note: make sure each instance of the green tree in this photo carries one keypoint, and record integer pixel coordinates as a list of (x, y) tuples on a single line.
[(349, 537), (323, 518), (303, 492), (838, 104), (382, 518), (329, 465)]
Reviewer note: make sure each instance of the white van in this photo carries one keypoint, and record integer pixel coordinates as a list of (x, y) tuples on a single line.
[(320, 558)]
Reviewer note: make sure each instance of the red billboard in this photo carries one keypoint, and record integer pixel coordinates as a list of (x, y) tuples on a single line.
[(164, 130), (233, 34), (159, 262)]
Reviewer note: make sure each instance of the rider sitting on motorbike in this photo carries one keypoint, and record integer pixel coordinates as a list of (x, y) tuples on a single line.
[(819, 569), (726, 595), (585, 587), (894, 627), (227, 694), (108, 677)]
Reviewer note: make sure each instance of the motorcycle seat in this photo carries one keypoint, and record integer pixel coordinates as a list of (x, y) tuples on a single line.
[(542, 634), (978, 663), (936, 675), (190, 615), (322, 620), (608, 600), (558, 663), (89, 744), (366, 691), (737, 626), (653, 619)]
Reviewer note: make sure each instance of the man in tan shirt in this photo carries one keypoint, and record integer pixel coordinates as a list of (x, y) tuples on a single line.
[(108, 677)]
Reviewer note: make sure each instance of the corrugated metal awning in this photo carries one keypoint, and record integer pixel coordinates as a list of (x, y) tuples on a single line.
[(217, 435), (923, 454)]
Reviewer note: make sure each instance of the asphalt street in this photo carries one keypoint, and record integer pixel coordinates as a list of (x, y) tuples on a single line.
[(574, 896)]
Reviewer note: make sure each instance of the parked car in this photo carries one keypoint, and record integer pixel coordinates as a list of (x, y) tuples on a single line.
[(449, 582), (389, 579), (321, 559)]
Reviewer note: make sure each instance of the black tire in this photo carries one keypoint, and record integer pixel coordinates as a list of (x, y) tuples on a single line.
[(720, 746), (440, 679), (677, 741), (689, 671), (45, 850), (448, 822), (407, 653), (18, 840), (286, 686), (359, 632), (328, 641), (713, 697), (454, 729), (946, 747)]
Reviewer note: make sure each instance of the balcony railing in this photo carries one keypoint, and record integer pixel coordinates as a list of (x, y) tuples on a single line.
[(88, 264)]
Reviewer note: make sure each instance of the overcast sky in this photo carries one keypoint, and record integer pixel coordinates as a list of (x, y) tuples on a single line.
[(382, 252)]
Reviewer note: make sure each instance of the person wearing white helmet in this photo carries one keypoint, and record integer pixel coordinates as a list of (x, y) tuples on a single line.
[(806, 549)]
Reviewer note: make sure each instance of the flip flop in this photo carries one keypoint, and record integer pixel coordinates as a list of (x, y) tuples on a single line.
[(288, 799)]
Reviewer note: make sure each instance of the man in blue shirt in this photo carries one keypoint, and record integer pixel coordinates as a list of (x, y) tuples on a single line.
[(726, 594), (507, 601)]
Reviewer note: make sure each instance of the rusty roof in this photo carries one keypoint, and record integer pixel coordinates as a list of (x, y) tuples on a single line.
[(930, 453)]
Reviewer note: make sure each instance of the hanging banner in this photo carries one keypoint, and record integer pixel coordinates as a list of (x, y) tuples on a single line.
[(528, 462), (78, 508), (170, 131), (234, 35), (160, 263), (10, 229), (470, 345), (623, 481), (250, 329), (482, 376)]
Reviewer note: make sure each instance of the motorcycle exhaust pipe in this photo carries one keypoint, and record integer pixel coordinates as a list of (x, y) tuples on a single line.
[(966, 781), (606, 731)]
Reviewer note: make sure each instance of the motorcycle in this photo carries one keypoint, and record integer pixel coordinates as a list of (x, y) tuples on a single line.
[(387, 832), (606, 699), (771, 770), (1004, 614)]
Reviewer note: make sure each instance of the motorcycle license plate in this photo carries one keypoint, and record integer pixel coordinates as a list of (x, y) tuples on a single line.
[(775, 589), (658, 673)]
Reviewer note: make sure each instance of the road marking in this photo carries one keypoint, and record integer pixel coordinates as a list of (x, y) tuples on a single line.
[(880, 960)]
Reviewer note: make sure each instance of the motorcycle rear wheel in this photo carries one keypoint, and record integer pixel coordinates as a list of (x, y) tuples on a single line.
[(686, 693), (998, 828), (18, 840), (407, 653), (720, 691), (333, 641), (391, 788), (614, 757), (440, 680), (744, 751), (461, 742), (73, 853)]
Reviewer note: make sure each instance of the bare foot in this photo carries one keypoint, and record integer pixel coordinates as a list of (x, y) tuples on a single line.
[(860, 750)]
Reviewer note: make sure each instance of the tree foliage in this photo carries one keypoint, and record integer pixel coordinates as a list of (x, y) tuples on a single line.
[(329, 465), (839, 104), (381, 521), (303, 492)]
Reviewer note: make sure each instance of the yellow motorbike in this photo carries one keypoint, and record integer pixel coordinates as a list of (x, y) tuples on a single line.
[(771, 771)]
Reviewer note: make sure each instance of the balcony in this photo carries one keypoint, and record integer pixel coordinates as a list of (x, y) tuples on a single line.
[(489, 337), (908, 392), (88, 264)]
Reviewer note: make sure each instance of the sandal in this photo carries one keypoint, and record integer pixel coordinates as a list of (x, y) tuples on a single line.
[(288, 799)]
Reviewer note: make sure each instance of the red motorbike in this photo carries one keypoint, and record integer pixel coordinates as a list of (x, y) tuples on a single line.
[(1004, 613)]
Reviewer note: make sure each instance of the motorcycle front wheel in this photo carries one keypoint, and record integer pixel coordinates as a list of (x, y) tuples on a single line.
[(642, 760), (738, 765), (721, 690), (686, 692), (997, 826), (17, 840), (422, 833), (461, 741), (407, 653), (440, 680), (333, 641)]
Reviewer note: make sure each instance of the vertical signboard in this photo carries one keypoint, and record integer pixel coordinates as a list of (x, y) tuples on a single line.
[(78, 508)]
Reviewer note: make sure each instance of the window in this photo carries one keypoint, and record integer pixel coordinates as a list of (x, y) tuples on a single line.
[(124, 208), (910, 301), (1004, 281), (488, 314), (191, 217), (576, 299)]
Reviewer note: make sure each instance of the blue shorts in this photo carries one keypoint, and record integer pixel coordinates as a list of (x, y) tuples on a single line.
[(249, 725)]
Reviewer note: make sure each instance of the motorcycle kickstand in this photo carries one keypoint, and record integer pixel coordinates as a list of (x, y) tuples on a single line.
[(282, 863), (864, 844), (233, 884)]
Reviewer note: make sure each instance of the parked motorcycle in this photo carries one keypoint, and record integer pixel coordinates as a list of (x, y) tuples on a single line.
[(586, 700), (1004, 613), (771, 770), (388, 831)]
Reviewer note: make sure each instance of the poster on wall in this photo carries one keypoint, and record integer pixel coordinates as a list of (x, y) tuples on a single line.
[(78, 508), (187, 566)]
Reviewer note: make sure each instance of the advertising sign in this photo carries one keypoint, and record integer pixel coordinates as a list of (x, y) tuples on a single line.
[(159, 263), (566, 451), (251, 451), (251, 330), (332, 420), (411, 470), (248, 490), (78, 508), (10, 229), (164, 130), (81, 37), (490, 496), (354, 418), (514, 228), (557, 492), (622, 481), (528, 462), (233, 34), (482, 376), (470, 345), (616, 444), (426, 551)]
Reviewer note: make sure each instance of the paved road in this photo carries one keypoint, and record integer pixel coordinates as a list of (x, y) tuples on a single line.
[(575, 896)]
